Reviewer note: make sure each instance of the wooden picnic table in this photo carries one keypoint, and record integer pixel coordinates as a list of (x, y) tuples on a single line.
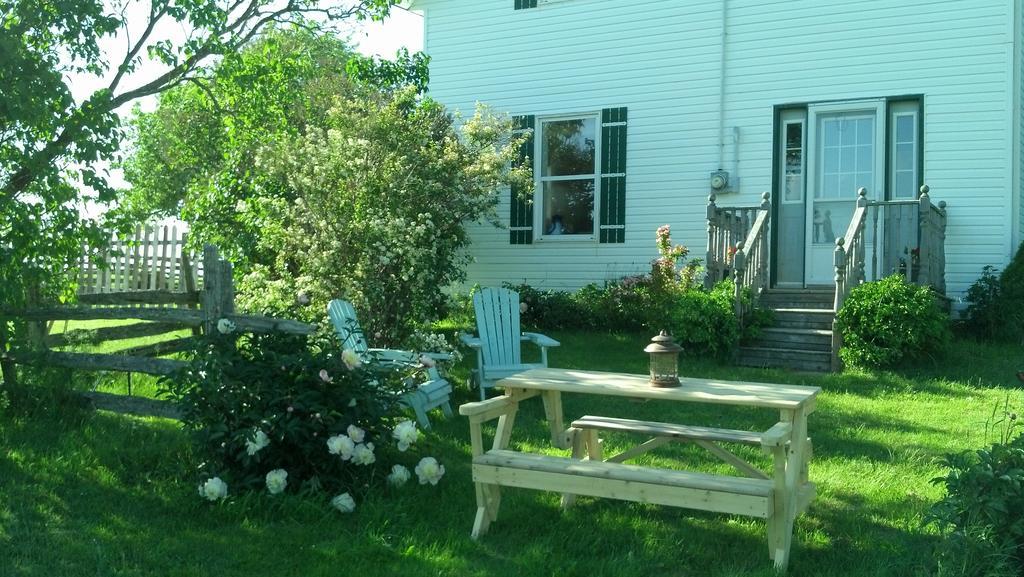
[(778, 496)]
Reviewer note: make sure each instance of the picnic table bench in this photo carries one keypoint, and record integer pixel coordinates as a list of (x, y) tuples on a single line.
[(778, 496)]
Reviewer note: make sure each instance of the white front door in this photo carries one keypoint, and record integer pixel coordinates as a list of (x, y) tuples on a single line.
[(844, 154)]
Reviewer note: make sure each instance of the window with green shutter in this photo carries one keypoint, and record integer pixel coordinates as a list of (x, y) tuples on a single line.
[(523, 4), (579, 180), (613, 176), (520, 223)]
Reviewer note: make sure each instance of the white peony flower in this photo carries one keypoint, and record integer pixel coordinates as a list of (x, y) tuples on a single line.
[(325, 377), (351, 359), (213, 489), (302, 298), (357, 434), (399, 475), (406, 434), (225, 326), (363, 454), (277, 480), (253, 446), (429, 471), (427, 362), (341, 445), (344, 503)]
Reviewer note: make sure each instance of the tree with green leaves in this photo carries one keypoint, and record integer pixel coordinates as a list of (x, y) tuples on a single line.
[(51, 142), (323, 173)]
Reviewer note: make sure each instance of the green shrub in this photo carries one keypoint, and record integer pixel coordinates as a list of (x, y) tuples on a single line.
[(260, 403), (886, 321), (982, 510), (704, 322), (995, 309), (982, 319)]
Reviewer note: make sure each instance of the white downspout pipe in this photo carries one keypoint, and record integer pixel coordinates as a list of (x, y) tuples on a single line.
[(721, 86)]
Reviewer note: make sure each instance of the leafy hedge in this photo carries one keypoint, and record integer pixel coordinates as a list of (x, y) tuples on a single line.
[(886, 321), (703, 322), (995, 309)]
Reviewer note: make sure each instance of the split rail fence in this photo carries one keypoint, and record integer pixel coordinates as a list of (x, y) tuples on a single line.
[(147, 283)]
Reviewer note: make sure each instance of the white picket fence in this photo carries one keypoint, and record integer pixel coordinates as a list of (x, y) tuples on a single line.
[(153, 258)]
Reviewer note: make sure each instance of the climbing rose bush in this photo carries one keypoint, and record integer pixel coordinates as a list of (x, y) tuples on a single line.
[(286, 414)]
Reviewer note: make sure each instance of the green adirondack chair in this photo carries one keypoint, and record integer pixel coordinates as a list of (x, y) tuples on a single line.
[(430, 394), (498, 346)]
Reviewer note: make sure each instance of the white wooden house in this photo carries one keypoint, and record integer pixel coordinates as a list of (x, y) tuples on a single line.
[(643, 108)]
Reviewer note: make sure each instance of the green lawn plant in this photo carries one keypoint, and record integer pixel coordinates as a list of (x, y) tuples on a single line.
[(887, 321), (86, 493), (982, 505)]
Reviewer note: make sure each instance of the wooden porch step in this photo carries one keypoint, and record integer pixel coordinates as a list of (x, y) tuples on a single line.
[(796, 359), (803, 318), (787, 338), (798, 298)]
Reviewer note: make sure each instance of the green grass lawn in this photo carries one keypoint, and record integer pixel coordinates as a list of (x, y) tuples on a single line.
[(93, 493)]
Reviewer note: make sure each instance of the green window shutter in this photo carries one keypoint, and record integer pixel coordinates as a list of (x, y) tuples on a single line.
[(524, 4), (613, 176), (520, 222)]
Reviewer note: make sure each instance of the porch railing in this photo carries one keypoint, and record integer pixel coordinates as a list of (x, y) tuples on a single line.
[(904, 237), (738, 242)]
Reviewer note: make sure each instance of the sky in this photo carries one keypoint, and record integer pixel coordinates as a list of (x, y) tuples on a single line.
[(401, 29)]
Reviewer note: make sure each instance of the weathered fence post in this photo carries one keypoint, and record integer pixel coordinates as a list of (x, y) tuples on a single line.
[(6, 364), (218, 296)]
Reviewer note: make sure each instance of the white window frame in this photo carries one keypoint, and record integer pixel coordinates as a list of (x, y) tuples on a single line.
[(539, 180), (896, 110)]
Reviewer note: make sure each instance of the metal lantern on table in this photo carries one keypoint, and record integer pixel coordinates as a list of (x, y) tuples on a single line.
[(664, 360)]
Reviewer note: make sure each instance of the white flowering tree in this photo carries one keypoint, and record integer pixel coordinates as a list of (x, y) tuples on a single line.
[(318, 186)]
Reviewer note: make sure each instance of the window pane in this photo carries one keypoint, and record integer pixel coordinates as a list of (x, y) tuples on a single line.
[(794, 187), (831, 160), (831, 129), (847, 186), (905, 156), (848, 159), (848, 132), (794, 138), (569, 207), (865, 179), (904, 184), (864, 158), (865, 130), (905, 128), (568, 147)]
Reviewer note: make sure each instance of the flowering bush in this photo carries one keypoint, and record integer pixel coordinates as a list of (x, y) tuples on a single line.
[(282, 414)]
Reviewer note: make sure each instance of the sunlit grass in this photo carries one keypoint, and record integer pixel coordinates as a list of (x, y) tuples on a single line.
[(92, 493)]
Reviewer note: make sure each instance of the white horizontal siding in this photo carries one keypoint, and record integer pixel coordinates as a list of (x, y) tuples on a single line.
[(659, 58)]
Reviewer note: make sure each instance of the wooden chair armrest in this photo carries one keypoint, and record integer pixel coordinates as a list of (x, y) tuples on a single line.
[(482, 411), (777, 436), (540, 340), (471, 341)]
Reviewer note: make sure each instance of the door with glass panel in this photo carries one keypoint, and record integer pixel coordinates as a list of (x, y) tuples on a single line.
[(789, 265), (843, 155)]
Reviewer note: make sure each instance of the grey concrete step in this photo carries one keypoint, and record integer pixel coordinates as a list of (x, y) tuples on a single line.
[(803, 339), (799, 360)]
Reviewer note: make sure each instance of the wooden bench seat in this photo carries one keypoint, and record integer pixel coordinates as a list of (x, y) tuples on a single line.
[(670, 430), (736, 495)]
